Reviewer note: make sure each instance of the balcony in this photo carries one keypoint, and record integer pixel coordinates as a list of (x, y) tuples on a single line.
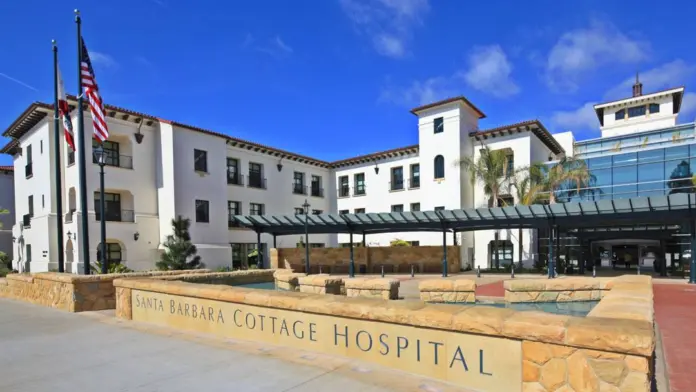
[(414, 183), (235, 179), (122, 161), (28, 170), (344, 191), (317, 191), (299, 189), (26, 221), (116, 215), (397, 185), (256, 181)]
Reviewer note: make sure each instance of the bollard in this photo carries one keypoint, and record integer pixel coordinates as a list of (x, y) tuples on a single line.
[(638, 269), (594, 271), (512, 271), (478, 271), (383, 271), (413, 271), (319, 269)]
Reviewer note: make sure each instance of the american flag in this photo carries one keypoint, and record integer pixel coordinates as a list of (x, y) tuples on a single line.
[(64, 112), (96, 105)]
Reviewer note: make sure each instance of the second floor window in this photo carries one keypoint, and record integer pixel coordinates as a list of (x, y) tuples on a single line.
[(233, 171), (31, 206), (29, 169), (359, 210), (234, 208), (112, 152), (359, 183), (415, 207), (343, 212), (202, 211), (200, 161), (397, 178), (316, 187), (439, 208), (299, 211), (256, 209), (439, 167), (256, 179), (510, 165), (343, 186), (298, 186), (415, 176), (317, 212), (112, 207), (397, 208)]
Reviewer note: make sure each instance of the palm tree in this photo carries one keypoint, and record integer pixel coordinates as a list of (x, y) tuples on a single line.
[(490, 170), (529, 186), (567, 171)]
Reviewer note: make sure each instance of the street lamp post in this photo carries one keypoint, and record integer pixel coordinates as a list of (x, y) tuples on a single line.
[(306, 230), (100, 155)]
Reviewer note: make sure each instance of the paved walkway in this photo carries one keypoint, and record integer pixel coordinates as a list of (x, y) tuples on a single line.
[(675, 311), (45, 349)]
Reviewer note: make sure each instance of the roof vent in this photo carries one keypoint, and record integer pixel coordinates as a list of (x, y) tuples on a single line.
[(637, 87)]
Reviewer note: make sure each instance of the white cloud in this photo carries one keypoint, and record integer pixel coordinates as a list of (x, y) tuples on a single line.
[(582, 50), (419, 92), (275, 47), (388, 23), (583, 118), (282, 45), (672, 74), (102, 59), (688, 107), (489, 71)]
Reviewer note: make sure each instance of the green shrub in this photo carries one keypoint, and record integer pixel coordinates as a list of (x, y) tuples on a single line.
[(113, 268)]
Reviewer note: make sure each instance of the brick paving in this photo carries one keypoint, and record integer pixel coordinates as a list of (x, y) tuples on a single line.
[(675, 312), (491, 290)]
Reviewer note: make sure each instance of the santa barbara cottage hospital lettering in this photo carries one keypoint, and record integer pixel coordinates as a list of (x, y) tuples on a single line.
[(482, 362)]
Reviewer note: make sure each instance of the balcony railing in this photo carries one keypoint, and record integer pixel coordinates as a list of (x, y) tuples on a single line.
[(359, 190), (122, 161), (397, 185), (414, 183), (344, 191), (317, 191), (256, 181), (235, 179), (28, 170), (299, 189), (26, 221), (116, 216)]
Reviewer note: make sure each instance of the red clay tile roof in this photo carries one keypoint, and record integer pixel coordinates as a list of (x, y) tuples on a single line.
[(395, 152), (7, 168), (449, 100), (534, 126)]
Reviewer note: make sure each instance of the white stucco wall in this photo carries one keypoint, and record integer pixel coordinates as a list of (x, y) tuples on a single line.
[(7, 220), (665, 118)]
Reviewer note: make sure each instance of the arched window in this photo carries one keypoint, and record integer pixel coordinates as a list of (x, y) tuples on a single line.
[(113, 253), (439, 167)]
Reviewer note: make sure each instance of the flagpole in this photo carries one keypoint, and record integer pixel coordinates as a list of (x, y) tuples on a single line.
[(81, 150), (56, 152)]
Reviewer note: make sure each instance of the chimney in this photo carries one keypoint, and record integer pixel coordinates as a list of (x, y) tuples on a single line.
[(637, 87)]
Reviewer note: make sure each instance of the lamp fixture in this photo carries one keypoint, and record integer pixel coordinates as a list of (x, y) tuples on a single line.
[(71, 236), (376, 168), (136, 236), (280, 164), (100, 155), (139, 136)]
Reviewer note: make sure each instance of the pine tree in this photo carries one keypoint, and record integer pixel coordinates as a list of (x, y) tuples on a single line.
[(178, 248)]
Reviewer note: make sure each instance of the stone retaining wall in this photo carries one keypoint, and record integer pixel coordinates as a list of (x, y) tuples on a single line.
[(506, 350), (571, 289), (372, 288), (287, 280), (448, 290), (72, 293), (320, 284), (232, 278)]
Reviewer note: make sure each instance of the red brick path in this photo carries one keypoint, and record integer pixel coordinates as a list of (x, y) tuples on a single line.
[(491, 290), (675, 311)]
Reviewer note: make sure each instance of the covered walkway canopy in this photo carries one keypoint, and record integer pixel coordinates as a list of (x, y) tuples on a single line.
[(641, 211)]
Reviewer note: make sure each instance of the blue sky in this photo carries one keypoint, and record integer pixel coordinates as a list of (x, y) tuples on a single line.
[(336, 78)]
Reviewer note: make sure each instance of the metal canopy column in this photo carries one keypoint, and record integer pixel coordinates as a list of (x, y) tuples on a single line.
[(581, 261), (692, 272), (259, 256), (557, 253), (351, 267), (549, 263), (444, 253), (663, 259), (274, 241)]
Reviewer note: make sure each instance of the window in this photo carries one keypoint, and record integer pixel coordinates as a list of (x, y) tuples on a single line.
[(415, 206), (504, 201), (112, 207), (438, 125), (233, 177), (40, 146), (71, 156), (317, 212), (256, 179), (298, 186), (299, 211), (359, 184), (397, 178), (111, 152), (113, 253), (620, 114), (236, 255), (27, 252), (256, 209), (43, 202), (343, 212), (636, 111), (397, 208), (510, 165), (439, 167), (414, 181), (200, 161), (316, 245), (654, 108), (233, 208), (317, 190), (359, 210), (31, 206), (414, 243), (343, 186), (439, 208), (202, 211), (29, 169)]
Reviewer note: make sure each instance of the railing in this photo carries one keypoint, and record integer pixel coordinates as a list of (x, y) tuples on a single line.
[(122, 161), (299, 189), (317, 191), (359, 191), (397, 185), (414, 183), (344, 191), (28, 170), (26, 221), (235, 179), (117, 216), (256, 181), (69, 217)]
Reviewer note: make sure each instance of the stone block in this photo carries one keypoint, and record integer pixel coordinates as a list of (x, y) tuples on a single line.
[(287, 280), (448, 290), (320, 284), (615, 335), (536, 326)]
